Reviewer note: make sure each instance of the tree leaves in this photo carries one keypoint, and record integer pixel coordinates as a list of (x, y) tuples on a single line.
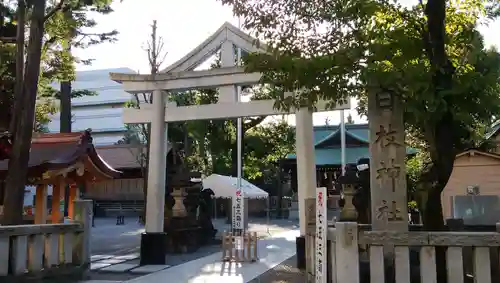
[(431, 54), (333, 49), (57, 62)]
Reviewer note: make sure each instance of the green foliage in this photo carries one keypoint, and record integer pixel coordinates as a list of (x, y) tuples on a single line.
[(414, 167), (412, 205), (333, 50), (71, 26), (7, 62), (66, 25), (132, 136), (209, 143), (265, 146), (43, 109)]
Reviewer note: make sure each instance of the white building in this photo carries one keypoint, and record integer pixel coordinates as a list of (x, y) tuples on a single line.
[(101, 113)]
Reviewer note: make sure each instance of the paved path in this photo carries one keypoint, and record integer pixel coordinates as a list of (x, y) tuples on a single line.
[(111, 239), (115, 248), (211, 269), (285, 272), (107, 238)]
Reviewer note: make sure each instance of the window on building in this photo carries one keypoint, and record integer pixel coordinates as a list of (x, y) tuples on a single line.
[(476, 209)]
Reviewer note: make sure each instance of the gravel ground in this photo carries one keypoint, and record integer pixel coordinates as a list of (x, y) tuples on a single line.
[(285, 272)]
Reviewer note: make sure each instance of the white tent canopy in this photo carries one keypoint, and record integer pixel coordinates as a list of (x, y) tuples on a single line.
[(225, 187)]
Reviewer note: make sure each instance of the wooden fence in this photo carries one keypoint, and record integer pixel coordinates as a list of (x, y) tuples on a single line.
[(468, 254), (239, 248), (38, 249)]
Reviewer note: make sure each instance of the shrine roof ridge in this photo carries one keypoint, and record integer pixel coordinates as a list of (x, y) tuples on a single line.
[(62, 150), (472, 151), (337, 132), (214, 41)]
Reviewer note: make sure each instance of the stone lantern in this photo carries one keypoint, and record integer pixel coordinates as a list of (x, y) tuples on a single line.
[(179, 209), (348, 182)]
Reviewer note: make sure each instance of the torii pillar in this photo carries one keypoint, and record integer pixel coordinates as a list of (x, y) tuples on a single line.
[(153, 241), (306, 178)]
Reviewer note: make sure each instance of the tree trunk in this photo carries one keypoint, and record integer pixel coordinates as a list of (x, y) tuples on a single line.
[(65, 126), (280, 188), (18, 164), (145, 170), (18, 91), (187, 144), (65, 119), (432, 216), (443, 155)]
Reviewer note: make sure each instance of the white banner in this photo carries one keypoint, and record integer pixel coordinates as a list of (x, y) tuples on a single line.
[(239, 243), (238, 210), (321, 235)]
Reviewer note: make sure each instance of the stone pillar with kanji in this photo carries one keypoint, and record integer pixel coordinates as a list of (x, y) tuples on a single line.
[(387, 161)]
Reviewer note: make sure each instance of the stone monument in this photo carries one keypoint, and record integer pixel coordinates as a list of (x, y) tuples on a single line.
[(389, 210)]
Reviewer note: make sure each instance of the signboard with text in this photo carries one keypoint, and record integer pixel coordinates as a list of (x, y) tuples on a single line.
[(321, 235), (238, 210)]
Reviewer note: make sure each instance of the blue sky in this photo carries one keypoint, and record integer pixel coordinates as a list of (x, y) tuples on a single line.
[(183, 24)]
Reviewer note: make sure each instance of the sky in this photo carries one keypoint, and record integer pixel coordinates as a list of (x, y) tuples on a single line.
[(183, 25)]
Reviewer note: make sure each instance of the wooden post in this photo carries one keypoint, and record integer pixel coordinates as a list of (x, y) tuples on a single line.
[(73, 195), (248, 252), (83, 214), (255, 255), (249, 245), (57, 190), (41, 204), (224, 245)]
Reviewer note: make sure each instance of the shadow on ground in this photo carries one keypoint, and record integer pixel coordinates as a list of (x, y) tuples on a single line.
[(286, 272)]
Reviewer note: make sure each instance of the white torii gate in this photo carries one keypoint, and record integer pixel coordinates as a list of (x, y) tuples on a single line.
[(180, 76)]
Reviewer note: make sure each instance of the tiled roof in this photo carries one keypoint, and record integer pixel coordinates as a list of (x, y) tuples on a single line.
[(60, 150), (332, 156), (123, 156)]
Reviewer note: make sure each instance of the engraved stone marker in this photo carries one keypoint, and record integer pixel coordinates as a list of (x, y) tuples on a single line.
[(387, 162)]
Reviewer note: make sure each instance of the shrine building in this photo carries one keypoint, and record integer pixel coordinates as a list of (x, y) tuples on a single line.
[(327, 148)]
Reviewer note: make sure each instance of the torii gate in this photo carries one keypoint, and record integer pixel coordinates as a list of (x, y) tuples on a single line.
[(180, 76)]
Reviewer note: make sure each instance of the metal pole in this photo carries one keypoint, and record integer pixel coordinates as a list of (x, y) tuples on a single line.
[(239, 121), (239, 136), (342, 141)]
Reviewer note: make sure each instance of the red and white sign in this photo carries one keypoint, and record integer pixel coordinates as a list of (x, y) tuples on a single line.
[(321, 235), (238, 209)]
